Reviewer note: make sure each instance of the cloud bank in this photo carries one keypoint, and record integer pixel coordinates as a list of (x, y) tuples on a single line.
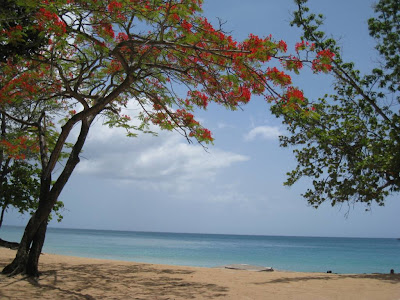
[(163, 161)]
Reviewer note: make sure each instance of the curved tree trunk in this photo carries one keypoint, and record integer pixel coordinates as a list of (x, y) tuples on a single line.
[(27, 258), (30, 247)]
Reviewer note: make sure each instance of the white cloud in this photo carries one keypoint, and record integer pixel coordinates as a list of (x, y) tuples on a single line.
[(263, 132), (166, 161)]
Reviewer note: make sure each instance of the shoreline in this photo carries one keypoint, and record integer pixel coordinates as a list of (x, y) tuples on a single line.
[(300, 254), (207, 267), (69, 277)]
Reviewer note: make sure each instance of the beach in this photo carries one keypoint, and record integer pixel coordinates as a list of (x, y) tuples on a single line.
[(67, 277)]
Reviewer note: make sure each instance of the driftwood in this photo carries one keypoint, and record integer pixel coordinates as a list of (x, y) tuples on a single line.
[(11, 245)]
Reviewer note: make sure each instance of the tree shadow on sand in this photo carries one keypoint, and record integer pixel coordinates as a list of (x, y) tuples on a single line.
[(105, 281)]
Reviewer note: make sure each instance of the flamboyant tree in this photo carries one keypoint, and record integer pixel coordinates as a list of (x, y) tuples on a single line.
[(104, 54), (351, 149)]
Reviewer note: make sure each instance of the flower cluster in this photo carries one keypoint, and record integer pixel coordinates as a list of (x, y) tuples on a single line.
[(293, 100), (104, 29), (114, 5), (122, 36), (202, 134), (282, 46), (292, 64), (278, 77), (114, 67), (50, 21), (199, 98), (16, 148), (323, 61), (22, 86), (186, 25), (186, 118), (303, 46), (294, 95)]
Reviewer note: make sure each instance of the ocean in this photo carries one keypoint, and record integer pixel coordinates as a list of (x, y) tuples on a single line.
[(303, 254)]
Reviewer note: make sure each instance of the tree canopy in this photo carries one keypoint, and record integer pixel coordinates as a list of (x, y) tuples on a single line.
[(350, 148)]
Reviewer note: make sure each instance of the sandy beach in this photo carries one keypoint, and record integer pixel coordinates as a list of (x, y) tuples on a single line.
[(65, 277)]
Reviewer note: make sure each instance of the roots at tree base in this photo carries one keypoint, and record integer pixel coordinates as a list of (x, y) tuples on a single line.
[(26, 260)]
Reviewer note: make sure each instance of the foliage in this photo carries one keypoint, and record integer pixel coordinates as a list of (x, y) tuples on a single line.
[(19, 174), (102, 54), (350, 147), (20, 189), (20, 40), (18, 36)]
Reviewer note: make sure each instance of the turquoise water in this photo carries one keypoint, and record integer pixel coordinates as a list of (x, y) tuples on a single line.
[(308, 254)]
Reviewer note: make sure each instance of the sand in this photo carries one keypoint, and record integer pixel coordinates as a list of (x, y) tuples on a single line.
[(65, 277)]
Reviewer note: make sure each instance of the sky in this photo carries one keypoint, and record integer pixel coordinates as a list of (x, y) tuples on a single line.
[(164, 184)]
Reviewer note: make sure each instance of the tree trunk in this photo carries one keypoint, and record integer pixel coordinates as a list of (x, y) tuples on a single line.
[(32, 266), (27, 257), (30, 247)]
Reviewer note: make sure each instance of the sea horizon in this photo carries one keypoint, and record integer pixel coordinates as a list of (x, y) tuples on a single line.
[(213, 233), (290, 253)]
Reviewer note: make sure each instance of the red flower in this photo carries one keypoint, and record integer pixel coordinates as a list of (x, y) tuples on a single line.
[(186, 25), (122, 37), (325, 54), (282, 46), (113, 5), (300, 46), (323, 61), (294, 94), (278, 77)]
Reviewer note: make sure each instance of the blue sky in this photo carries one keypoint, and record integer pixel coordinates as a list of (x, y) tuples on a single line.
[(164, 184)]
